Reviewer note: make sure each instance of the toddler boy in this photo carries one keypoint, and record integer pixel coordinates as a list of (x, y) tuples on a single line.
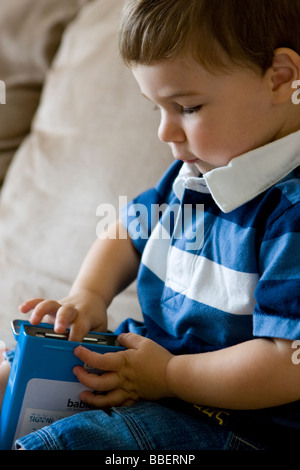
[(218, 275)]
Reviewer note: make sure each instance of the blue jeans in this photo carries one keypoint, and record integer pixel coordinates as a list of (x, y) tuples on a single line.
[(167, 425)]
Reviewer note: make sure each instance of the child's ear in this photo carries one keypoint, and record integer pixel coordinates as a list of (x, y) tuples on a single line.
[(284, 71)]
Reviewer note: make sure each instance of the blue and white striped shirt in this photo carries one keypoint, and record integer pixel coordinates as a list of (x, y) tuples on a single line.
[(222, 264)]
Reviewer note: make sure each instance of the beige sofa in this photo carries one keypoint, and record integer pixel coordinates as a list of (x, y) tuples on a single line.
[(74, 134)]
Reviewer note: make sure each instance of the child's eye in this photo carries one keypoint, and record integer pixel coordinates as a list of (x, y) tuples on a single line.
[(192, 110)]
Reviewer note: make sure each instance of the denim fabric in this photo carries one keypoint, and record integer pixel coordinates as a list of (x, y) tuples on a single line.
[(166, 425)]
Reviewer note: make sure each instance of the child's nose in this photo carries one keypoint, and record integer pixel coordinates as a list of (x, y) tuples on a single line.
[(170, 130)]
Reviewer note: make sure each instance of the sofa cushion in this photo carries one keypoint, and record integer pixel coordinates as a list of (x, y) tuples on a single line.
[(94, 139), (30, 33)]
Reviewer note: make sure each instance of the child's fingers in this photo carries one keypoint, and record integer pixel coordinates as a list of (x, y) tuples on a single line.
[(30, 304), (43, 308), (100, 383), (116, 397), (62, 315), (106, 362), (130, 340), (65, 316), (80, 327)]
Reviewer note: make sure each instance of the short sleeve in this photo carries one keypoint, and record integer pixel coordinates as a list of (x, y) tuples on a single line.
[(277, 312)]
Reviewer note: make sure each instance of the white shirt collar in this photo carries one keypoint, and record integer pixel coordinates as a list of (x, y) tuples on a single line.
[(246, 176)]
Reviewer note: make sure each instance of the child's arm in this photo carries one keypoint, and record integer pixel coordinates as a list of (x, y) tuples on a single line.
[(110, 265), (252, 375)]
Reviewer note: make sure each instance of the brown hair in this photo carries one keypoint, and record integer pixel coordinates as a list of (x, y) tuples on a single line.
[(248, 31)]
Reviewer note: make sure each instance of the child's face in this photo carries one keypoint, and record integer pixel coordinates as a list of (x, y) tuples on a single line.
[(206, 118)]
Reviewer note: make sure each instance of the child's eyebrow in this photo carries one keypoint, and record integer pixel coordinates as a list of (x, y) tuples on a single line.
[(176, 95)]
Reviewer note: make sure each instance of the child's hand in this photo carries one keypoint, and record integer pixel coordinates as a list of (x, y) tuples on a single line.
[(139, 372), (81, 312)]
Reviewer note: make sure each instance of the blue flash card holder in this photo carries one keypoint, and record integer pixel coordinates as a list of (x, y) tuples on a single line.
[(42, 387)]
